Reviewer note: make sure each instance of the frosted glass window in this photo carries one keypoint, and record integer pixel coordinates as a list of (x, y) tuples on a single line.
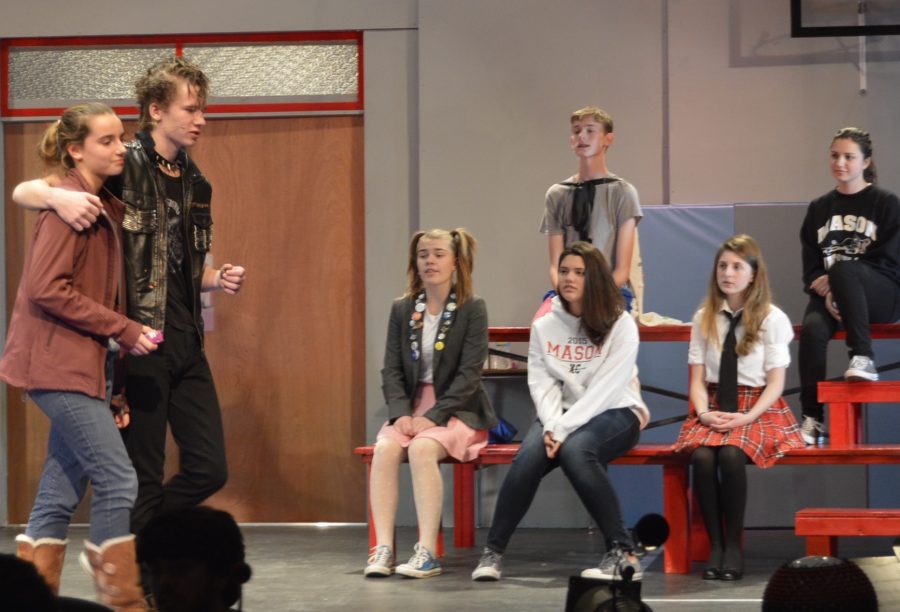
[(43, 80), (282, 72), (61, 76)]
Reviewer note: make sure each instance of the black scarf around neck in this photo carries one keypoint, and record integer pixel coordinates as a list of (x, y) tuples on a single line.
[(583, 204)]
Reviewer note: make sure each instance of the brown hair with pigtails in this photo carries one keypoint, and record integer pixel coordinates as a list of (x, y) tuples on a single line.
[(602, 304), (71, 128), (757, 296), (463, 246)]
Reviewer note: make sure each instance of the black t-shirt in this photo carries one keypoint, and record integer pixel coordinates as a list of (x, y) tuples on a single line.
[(178, 302)]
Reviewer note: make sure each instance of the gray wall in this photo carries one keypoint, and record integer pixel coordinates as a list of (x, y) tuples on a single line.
[(467, 105)]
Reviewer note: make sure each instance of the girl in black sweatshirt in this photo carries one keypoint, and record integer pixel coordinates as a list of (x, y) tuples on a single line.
[(851, 270)]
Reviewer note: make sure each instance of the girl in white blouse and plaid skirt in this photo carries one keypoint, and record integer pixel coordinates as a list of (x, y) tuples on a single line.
[(724, 435)]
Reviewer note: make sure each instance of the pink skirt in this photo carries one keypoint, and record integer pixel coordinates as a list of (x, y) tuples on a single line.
[(459, 440)]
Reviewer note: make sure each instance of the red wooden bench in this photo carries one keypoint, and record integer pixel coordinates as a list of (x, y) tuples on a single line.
[(845, 401), (821, 526), (675, 486), (681, 332), (686, 539)]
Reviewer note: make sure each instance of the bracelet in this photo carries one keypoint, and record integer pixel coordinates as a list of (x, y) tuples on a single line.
[(219, 278)]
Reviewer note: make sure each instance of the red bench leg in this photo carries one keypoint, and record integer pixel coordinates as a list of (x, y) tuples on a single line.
[(464, 505), (823, 546), (845, 423), (675, 508)]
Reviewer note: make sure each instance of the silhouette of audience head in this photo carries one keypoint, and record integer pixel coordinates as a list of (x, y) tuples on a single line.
[(195, 558), (22, 588)]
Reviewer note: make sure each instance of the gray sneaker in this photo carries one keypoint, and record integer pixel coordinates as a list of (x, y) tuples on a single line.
[(380, 563), (861, 368), (490, 567), (813, 431), (614, 566)]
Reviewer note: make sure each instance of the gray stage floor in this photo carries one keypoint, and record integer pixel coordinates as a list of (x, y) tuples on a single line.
[(314, 568)]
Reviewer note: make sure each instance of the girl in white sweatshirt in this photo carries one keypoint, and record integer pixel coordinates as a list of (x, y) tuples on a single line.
[(583, 381)]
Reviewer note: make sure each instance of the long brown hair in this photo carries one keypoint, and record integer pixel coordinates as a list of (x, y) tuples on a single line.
[(463, 245), (602, 304), (757, 296), (71, 128)]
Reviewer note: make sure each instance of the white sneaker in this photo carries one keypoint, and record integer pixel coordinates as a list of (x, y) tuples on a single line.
[(380, 563), (813, 431), (861, 368)]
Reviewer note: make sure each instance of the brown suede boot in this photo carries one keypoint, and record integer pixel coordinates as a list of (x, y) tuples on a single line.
[(116, 575), (47, 555)]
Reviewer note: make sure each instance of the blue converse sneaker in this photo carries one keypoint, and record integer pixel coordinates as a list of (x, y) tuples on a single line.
[(615, 566), (380, 563), (421, 565)]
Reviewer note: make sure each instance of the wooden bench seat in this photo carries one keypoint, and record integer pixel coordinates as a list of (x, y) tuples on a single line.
[(844, 449), (678, 551), (822, 526)]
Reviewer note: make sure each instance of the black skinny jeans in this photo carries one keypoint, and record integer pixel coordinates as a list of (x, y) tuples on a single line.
[(174, 386), (863, 296)]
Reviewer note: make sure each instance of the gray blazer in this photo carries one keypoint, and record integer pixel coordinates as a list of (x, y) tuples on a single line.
[(457, 368)]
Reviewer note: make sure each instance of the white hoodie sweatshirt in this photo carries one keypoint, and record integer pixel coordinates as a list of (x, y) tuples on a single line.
[(572, 380)]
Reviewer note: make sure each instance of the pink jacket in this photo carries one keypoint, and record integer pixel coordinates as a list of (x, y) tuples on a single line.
[(66, 305)]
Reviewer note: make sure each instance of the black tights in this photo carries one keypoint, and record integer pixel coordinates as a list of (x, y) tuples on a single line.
[(720, 483)]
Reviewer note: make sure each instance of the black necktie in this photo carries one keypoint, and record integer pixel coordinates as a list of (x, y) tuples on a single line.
[(726, 394)]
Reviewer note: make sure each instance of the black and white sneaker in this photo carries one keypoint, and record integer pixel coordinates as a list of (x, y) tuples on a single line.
[(813, 431), (489, 567)]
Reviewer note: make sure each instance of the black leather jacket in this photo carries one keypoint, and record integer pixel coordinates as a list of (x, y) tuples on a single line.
[(145, 229)]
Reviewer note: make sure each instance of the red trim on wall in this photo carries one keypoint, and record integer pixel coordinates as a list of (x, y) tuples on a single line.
[(184, 39), (178, 42), (4, 81)]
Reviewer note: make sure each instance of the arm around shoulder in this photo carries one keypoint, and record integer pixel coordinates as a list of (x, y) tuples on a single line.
[(77, 208)]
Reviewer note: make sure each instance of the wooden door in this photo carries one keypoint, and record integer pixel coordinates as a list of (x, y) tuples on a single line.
[(287, 353)]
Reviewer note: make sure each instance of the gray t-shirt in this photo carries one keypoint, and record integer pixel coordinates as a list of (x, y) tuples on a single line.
[(614, 203)]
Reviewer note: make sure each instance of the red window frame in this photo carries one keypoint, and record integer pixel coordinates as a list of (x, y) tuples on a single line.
[(178, 42)]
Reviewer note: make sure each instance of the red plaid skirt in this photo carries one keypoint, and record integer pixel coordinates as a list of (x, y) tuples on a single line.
[(765, 440)]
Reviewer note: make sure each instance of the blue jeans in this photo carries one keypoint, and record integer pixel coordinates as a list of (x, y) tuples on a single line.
[(583, 458), (84, 446)]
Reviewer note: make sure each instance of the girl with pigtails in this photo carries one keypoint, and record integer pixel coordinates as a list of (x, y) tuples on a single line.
[(437, 342)]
